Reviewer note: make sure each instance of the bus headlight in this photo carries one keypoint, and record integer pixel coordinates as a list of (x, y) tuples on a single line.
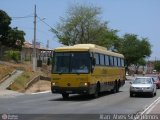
[(53, 84), (86, 84)]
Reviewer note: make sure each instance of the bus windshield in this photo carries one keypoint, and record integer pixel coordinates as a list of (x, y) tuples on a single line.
[(71, 62)]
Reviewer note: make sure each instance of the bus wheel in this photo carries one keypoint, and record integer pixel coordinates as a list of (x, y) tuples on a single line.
[(96, 94), (113, 90), (65, 95), (131, 94), (119, 83), (116, 87)]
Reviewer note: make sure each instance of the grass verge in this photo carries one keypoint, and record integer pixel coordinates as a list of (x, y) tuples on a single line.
[(21, 81), (5, 70)]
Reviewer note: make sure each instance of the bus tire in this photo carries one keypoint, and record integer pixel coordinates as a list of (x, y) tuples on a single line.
[(152, 94), (119, 83), (96, 94), (116, 87), (65, 96), (131, 94), (113, 90)]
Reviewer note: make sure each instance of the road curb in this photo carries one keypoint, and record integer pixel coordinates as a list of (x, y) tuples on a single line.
[(35, 79)]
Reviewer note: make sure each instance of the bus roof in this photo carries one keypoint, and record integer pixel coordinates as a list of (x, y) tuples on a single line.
[(87, 47)]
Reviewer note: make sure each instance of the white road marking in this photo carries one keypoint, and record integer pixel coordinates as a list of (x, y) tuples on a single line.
[(148, 109), (41, 92), (151, 106)]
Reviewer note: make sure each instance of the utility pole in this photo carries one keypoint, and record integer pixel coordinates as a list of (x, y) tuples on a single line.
[(34, 41), (47, 46)]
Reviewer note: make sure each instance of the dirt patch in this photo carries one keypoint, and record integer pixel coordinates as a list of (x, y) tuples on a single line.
[(20, 82), (5, 70), (41, 85)]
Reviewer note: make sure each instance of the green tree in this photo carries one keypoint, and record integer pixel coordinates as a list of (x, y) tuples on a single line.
[(140, 62), (157, 66), (134, 49), (10, 37), (83, 25), (5, 21), (15, 38)]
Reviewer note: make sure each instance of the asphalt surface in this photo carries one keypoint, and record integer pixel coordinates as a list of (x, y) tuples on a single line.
[(48, 104)]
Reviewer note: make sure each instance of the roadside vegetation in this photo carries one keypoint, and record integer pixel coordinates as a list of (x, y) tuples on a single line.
[(5, 70), (21, 82), (157, 66), (12, 55)]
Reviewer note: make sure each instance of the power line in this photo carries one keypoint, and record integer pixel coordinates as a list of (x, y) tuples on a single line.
[(28, 16), (44, 22)]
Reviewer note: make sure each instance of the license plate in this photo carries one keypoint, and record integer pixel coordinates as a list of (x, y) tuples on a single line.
[(68, 91), (140, 90)]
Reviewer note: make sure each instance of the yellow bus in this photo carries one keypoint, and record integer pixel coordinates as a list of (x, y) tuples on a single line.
[(86, 69)]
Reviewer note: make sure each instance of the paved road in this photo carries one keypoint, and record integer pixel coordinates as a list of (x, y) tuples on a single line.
[(47, 103)]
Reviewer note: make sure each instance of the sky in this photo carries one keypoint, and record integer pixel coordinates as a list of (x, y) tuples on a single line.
[(140, 17)]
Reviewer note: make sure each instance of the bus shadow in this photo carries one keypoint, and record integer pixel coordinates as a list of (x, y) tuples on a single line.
[(84, 97)]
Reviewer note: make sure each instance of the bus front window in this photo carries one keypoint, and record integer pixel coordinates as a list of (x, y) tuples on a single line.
[(72, 62), (80, 62), (62, 61)]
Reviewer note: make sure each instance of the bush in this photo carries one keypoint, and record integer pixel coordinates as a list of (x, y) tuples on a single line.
[(12, 55)]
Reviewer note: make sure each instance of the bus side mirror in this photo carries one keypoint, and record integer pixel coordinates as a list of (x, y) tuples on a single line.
[(93, 64), (92, 69)]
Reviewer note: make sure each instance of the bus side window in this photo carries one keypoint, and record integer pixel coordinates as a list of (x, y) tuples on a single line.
[(97, 58), (122, 62), (102, 62), (115, 61), (106, 60), (119, 62), (110, 60)]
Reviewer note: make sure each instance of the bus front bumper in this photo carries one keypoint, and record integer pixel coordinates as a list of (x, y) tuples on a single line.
[(71, 90)]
